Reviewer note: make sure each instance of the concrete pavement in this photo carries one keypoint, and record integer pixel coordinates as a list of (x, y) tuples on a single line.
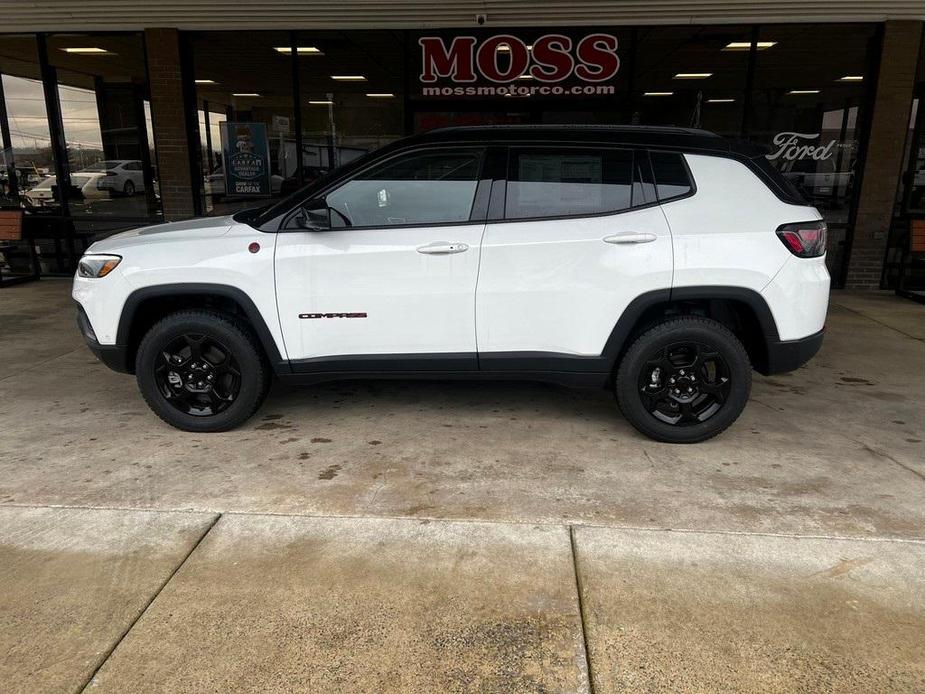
[(405, 536), (836, 448), (72, 582), (746, 613), (365, 605), (286, 603)]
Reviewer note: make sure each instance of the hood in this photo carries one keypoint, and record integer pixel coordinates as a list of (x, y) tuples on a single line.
[(201, 227)]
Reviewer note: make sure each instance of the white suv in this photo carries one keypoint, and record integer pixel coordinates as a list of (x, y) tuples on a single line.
[(662, 263)]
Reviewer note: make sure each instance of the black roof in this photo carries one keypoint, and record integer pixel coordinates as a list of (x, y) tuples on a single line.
[(685, 139)]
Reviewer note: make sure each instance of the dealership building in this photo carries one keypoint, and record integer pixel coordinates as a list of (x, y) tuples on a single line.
[(119, 115)]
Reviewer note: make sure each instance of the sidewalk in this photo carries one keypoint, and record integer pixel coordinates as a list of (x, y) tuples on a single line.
[(283, 603)]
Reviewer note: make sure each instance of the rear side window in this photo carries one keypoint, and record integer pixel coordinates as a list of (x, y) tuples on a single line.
[(568, 182), (672, 179)]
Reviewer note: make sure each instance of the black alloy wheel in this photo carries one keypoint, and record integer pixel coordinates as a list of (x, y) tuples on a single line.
[(202, 370), (684, 380), (684, 383), (198, 375)]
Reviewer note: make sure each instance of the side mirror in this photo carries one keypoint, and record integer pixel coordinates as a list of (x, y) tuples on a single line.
[(314, 215)]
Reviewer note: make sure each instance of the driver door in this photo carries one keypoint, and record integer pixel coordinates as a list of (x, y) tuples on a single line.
[(380, 273)]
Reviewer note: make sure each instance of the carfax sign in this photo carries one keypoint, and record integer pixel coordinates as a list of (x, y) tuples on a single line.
[(246, 157)]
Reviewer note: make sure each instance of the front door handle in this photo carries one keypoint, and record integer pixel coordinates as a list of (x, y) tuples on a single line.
[(630, 237), (443, 248)]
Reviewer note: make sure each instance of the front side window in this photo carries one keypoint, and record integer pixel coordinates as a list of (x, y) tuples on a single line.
[(436, 187), (568, 182)]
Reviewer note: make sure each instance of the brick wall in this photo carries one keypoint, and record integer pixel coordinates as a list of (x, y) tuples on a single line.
[(170, 123), (882, 170)]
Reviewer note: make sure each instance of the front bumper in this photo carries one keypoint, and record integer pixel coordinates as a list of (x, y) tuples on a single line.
[(113, 356), (789, 355)]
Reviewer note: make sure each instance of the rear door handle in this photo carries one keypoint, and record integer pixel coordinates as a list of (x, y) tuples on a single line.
[(630, 237), (443, 248)]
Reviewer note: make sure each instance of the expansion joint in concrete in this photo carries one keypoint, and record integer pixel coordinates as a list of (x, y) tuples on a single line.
[(86, 685), (583, 622)]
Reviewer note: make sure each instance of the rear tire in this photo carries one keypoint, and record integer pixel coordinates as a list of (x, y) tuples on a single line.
[(684, 380), (202, 371)]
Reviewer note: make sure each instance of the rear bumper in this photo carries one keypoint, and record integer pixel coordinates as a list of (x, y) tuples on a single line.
[(789, 355), (113, 356)]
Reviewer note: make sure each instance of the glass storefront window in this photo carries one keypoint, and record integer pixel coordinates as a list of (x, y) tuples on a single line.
[(28, 158), (811, 118), (244, 77), (28, 206), (904, 264), (279, 109), (352, 95), (102, 88), (693, 77)]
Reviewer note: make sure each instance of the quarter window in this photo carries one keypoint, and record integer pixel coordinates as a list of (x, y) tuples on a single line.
[(568, 182), (435, 187), (672, 179)]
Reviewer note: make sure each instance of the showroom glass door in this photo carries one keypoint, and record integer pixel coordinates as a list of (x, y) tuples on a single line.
[(28, 164), (79, 140)]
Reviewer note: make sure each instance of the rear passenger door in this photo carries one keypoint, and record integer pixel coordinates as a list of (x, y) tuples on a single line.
[(579, 237)]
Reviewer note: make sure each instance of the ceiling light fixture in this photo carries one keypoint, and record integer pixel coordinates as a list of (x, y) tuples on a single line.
[(320, 102), (88, 50), (380, 95), (803, 91), (747, 45), (851, 78), (206, 82), (693, 75), (300, 50), (348, 78), (720, 101), (245, 94), (658, 93)]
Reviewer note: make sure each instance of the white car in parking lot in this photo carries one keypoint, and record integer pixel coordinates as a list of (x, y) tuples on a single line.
[(663, 264), (118, 176), (86, 183)]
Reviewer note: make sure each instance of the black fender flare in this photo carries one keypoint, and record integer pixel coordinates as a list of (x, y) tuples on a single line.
[(627, 323), (251, 312)]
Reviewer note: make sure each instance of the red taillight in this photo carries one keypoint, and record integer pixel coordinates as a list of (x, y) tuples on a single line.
[(803, 239)]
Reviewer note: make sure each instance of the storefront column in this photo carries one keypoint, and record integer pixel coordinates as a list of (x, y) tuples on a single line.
[(171, 126), (882, 169)]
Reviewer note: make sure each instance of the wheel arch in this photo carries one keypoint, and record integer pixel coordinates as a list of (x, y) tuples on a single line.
[(742, 310), (147, 305)]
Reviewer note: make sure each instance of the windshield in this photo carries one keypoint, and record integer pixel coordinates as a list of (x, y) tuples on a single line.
[(101, 166)]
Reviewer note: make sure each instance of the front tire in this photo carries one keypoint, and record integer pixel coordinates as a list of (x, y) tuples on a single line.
[(201, 371), (684, 380)]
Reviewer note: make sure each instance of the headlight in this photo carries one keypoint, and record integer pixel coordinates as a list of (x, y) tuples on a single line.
[(94, 266)]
